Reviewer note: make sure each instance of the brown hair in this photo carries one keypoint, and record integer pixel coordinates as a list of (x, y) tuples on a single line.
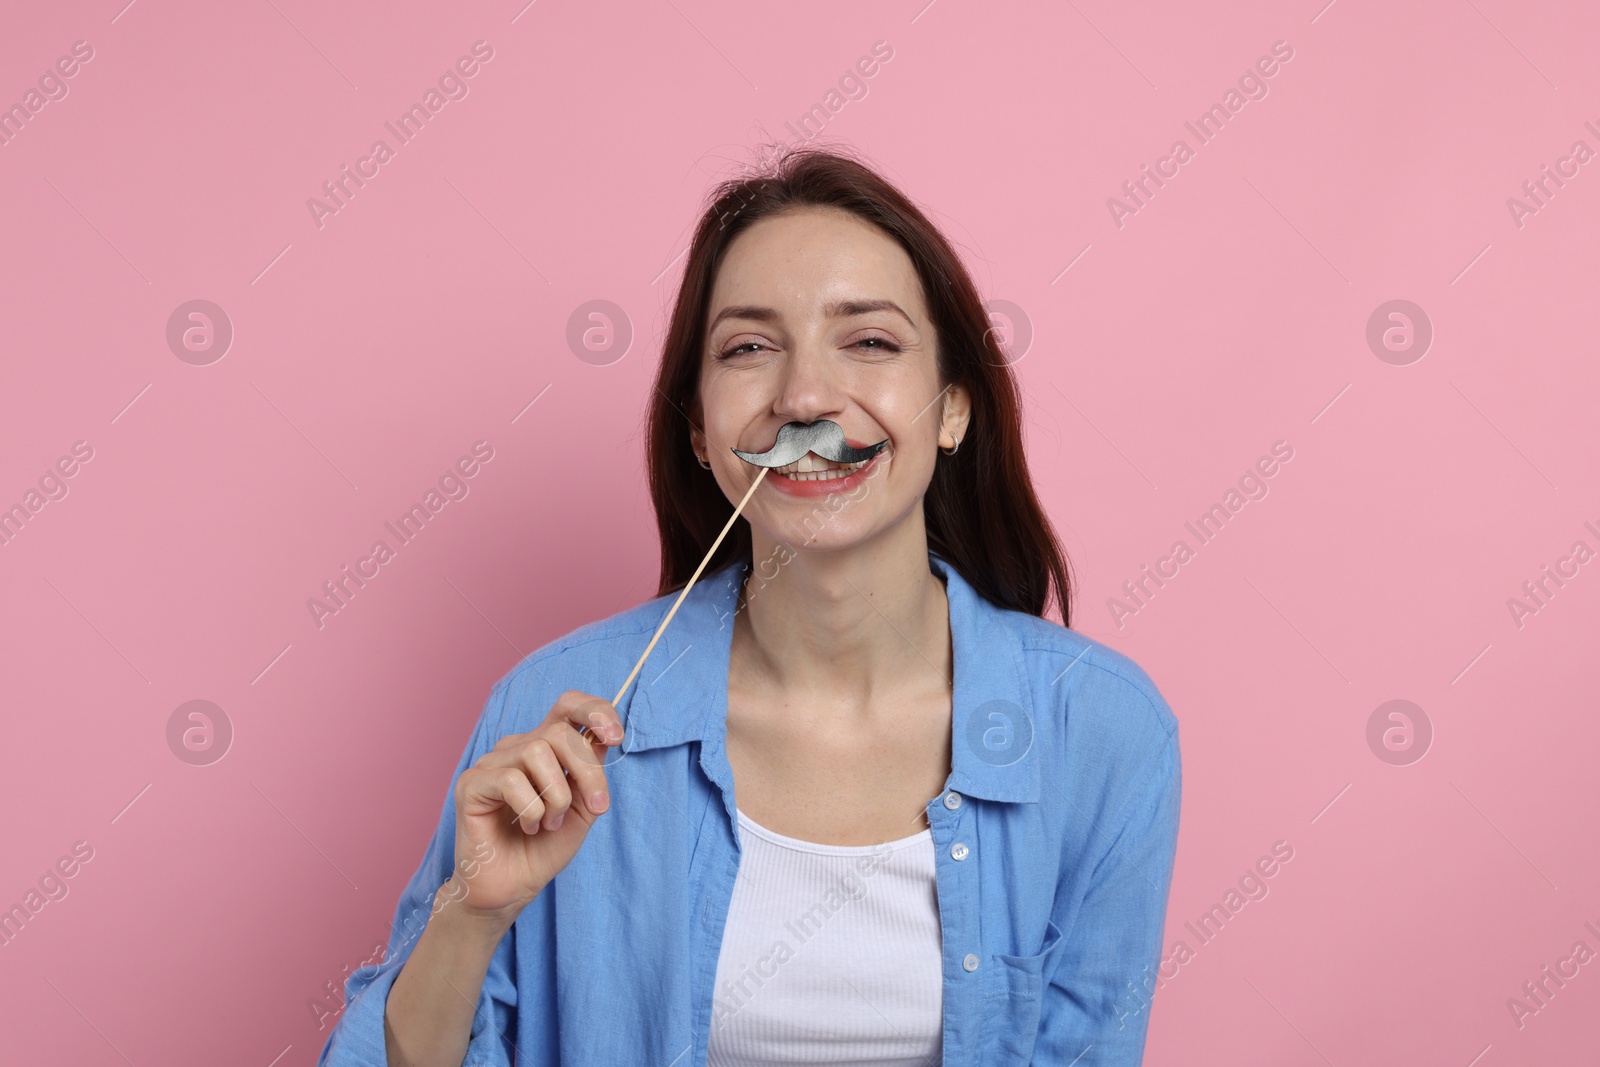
[(980, 510)]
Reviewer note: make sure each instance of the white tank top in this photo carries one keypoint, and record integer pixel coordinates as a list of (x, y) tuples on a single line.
[(831, 954)]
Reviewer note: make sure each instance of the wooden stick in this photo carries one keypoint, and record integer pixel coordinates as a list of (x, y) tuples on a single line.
[(692, 579)]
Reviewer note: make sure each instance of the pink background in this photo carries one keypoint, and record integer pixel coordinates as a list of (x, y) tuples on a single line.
[(1228, 313)]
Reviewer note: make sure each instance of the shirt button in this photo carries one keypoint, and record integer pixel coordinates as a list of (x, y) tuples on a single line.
[(970, 963), (959, 852), (952, 801)]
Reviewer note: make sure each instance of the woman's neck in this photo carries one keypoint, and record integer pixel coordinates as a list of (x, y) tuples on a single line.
[(848, 625)]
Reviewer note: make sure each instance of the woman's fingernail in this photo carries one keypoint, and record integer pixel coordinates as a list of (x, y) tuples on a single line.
[(597, 802), (555, 824)]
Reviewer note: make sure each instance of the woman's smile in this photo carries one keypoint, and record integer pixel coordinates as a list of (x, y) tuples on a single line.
[(811, 475)]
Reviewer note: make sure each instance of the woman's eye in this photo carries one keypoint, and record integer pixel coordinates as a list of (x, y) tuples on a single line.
[(871, 344), (882, 344)]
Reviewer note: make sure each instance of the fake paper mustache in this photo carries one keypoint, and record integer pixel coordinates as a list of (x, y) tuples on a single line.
[(824, 437)]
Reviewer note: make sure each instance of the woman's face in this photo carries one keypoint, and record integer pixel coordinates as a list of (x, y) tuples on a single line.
[(815, 314)]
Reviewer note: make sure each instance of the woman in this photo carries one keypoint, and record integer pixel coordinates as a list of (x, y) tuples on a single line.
[(955, 819)]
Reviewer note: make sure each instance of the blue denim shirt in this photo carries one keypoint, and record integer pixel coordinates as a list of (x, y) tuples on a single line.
[(1054, 839)]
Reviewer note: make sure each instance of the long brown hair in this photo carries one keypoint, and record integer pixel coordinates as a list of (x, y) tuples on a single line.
[(980, 510)]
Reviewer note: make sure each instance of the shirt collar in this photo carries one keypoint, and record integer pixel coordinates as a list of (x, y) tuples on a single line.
[(682, 690)]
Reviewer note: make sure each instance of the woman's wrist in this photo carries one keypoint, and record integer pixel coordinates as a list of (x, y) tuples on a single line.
[(451, 903), (429, 1012)]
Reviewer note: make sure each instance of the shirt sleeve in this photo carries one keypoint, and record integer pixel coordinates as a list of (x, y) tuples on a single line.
[(357, 1040), (1096, 1005)]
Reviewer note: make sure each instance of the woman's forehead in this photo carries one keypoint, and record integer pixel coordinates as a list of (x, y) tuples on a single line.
[(814, 263)]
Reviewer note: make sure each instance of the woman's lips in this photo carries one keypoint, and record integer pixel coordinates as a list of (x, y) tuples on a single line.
[(827, 486)]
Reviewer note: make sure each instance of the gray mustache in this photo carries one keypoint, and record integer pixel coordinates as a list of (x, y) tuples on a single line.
[(824, 437)]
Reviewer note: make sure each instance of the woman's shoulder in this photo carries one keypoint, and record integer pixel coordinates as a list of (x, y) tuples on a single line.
[(1091, 678)]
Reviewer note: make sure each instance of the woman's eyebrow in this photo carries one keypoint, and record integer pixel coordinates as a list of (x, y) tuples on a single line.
[(842, 309), (846, 308)]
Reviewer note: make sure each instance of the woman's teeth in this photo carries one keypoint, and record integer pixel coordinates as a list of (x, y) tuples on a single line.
[(813, 468)]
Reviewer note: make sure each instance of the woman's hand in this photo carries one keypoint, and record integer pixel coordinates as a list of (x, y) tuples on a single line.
[(524, 809)]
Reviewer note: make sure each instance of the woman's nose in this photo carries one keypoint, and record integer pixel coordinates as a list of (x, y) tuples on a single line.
[(809, 388)]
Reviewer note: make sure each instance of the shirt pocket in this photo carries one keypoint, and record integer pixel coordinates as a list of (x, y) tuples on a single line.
[(1016, 993)]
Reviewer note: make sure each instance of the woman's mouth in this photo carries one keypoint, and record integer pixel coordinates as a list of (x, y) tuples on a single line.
[(813, 468), (811, 475)]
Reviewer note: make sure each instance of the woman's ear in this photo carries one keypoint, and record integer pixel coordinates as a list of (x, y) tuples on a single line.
[(957, 416), (697, 439)]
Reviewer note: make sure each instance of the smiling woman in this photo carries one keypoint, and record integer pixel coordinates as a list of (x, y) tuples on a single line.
[(895, 690), (830, 223)]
